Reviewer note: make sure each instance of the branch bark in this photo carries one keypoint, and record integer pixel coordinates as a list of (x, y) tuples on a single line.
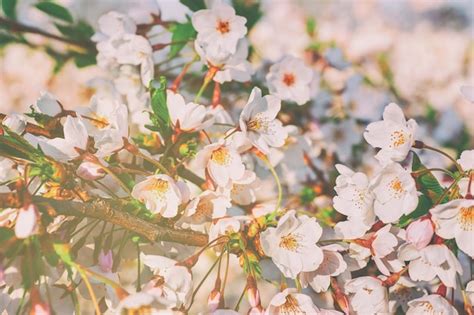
[(111, 211), (15, 26)]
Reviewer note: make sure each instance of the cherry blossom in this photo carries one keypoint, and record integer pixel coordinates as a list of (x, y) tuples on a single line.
[(394, 135), (292, 244)]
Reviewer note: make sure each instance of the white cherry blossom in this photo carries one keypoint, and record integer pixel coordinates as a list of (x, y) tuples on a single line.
[(15, 122), (64, 149), (161, 194), (289, 301), (430, 304), (222, 162), (367, 296), (290, 80), (355, 200), (466, 160), (258, 121), (431, 262), (207, 206), (188, 117), (455, 219), (395, 193), (292, 244), (47, 104), (172, 284), (394, 135), (219, 28), (26, 222), (333, 264)]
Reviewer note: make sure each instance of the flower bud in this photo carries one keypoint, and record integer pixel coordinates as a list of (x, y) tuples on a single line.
[(253, 295), (38, 307), (90, 171), (419, 233), (214, 300), (106, 261)]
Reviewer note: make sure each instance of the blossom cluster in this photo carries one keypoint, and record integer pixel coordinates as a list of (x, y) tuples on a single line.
[(204, 154)]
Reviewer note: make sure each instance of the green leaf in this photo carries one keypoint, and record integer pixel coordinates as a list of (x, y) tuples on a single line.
[(424, 205), (310, 26), (80, 31), (160, 116), (426, 181), (84, 60), (194, 5), (55, 10), (6, 39), (182, 33), (9, 8), (5, 234)]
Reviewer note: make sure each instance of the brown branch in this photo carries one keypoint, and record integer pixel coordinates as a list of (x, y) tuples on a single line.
[(34, 129), (15, 26), (110, 211)]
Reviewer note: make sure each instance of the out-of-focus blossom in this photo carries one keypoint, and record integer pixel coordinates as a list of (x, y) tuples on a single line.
[(26, 222), (289, 301), (466, 160), (290, 80), (219, 28)]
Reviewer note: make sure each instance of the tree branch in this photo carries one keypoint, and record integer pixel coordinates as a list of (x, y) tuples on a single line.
[(111, 211), (15, 26)]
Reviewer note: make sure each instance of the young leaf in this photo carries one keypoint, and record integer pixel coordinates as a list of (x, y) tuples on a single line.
[(55, 10), (9, 8), (160, 116), (182, 33), (427, 182)]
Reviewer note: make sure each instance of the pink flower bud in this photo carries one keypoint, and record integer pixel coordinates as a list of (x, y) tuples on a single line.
[(214, 300), (258, 310), (253, 296), (419, 233), (90, 171), (106, 261)]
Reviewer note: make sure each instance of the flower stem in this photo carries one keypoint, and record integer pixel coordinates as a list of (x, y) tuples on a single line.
[(277, 180), (207, 79), (89, 288), (427, 147)]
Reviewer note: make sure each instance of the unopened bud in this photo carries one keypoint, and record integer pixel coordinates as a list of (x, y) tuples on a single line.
[(253, 294), (90, 171), (420, 233), (106, 261), (214, 300), (38, 307)]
